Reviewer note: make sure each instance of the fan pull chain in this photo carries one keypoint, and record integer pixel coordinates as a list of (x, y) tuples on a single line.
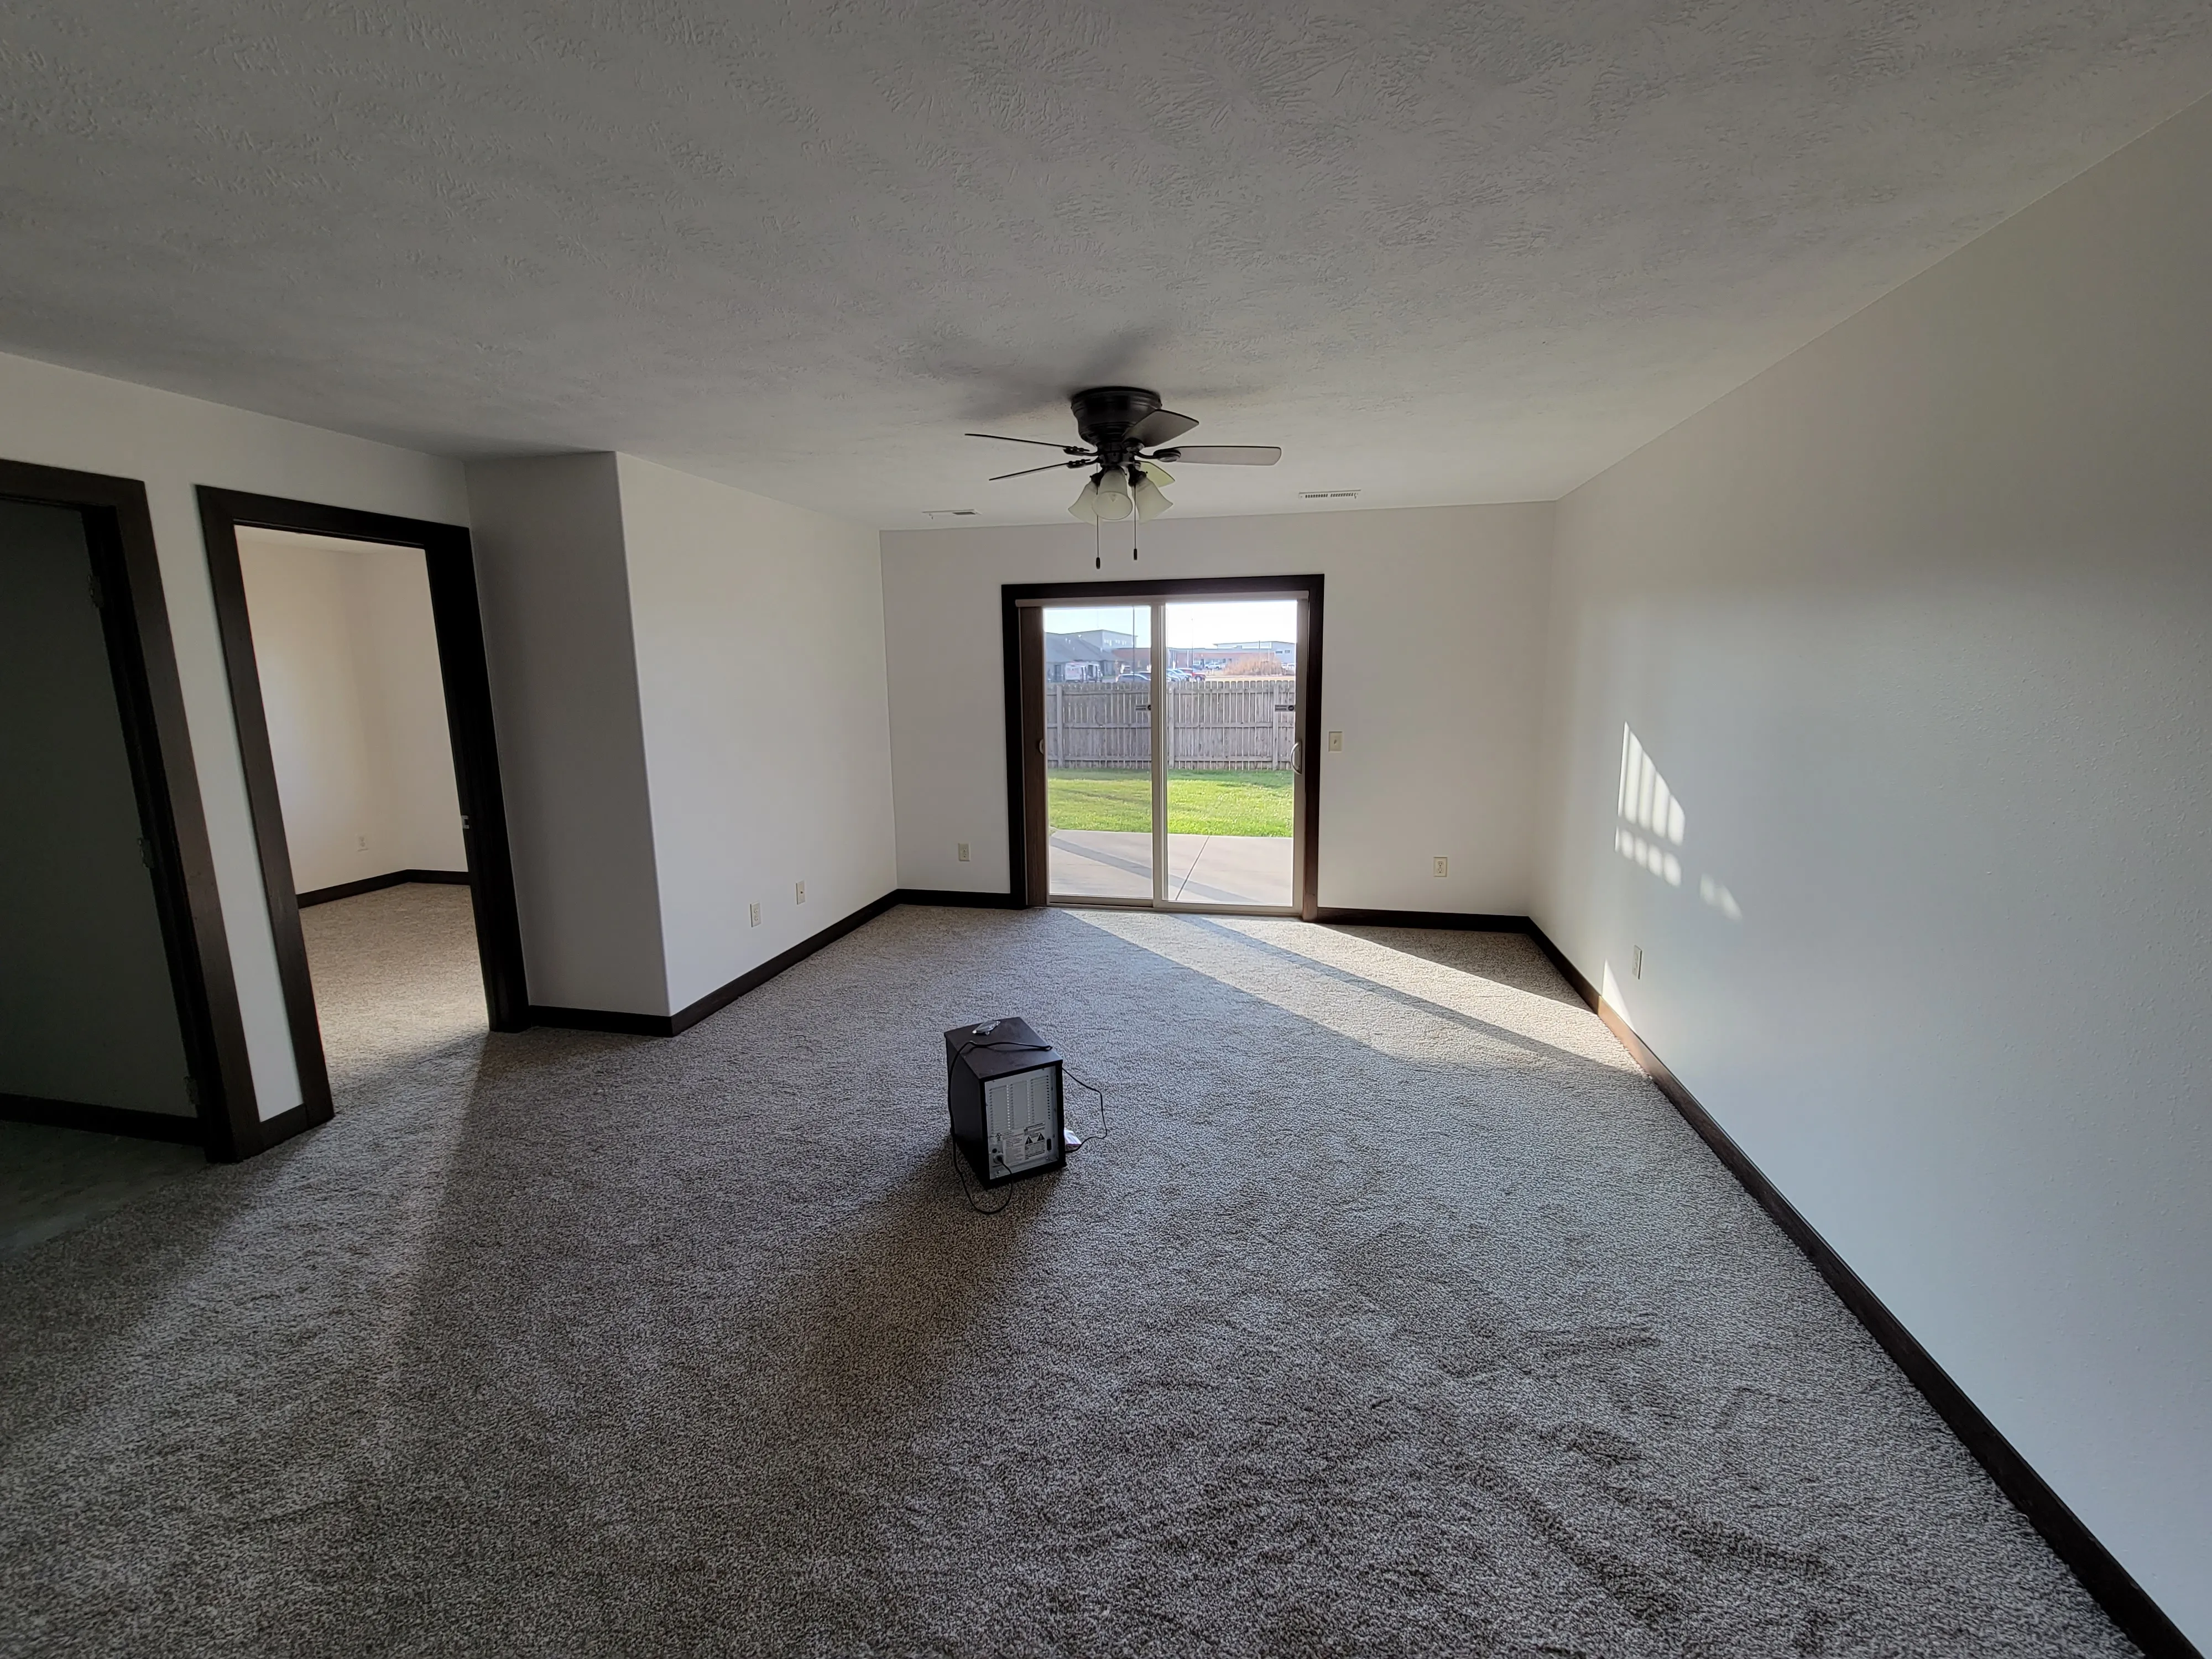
[(1098, 545)]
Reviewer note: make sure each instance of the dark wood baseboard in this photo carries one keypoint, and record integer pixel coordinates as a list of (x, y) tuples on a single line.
[(103, 1120), (2124, 1601), (667, 1025), (378, 883), (956, 897), (1468, 921), (601, 1019)]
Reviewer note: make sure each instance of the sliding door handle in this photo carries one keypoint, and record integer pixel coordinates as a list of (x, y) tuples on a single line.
[(1297, 757)]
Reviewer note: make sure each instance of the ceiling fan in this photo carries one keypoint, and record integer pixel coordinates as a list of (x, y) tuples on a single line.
[(1124, 430)]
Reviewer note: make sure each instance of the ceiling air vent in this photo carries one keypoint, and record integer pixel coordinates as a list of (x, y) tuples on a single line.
[(1327, 495)]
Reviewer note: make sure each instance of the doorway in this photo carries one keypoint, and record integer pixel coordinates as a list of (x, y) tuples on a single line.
[(1165, 759), (355, 648), (120, 1016)]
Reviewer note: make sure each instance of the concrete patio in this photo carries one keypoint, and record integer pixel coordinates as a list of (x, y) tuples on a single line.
[(1117, 864)]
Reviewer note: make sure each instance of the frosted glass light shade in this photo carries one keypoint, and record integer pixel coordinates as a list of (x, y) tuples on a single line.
[(1111, 495)]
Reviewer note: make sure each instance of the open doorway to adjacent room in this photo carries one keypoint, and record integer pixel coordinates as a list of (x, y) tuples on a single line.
[(1164, 754), (357, 670), (123, 1058)]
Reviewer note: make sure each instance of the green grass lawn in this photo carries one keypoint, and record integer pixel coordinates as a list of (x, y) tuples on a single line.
[(1198, 803)]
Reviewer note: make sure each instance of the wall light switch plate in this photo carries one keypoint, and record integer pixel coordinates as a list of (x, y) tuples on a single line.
[(800, 887), (964, 851), (1443, 866), (1336, 741), (754, 909), (1636, 964)]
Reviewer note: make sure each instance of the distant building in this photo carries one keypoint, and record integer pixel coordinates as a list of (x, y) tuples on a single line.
[(1101, 654), (1090, 655)]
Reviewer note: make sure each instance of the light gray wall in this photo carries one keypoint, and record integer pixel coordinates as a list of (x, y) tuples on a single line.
[(552, 571), (1433, 640), (760, 657), (1917, 628), (347, 652), (87, 1011)]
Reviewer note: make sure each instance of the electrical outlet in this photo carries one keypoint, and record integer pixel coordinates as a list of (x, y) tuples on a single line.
[(1443, 866), (800, 888), (964, 851), (754, 909), (360, 843), (1636, 963), (1335, 742)]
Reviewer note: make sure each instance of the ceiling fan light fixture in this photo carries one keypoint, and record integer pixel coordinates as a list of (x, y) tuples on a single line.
[(1109, 493), (1150, 503)]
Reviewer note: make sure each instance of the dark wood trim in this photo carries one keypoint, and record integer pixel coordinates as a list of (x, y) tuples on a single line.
[(346, 890), (1025, 841), (103, 1120), (283, 1127), (602, 1019), (1467, 921), (2123, 1600), (157, 738), (1018, 743), (667, 1025), (1307, 726), (715, 1001), (949, 896), (1036, 832), (450, 567)]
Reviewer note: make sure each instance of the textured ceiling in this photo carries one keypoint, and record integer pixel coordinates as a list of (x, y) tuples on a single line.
[(1440, 252)]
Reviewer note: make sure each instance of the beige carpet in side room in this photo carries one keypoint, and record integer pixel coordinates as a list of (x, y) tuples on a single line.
[(1398, 1315)]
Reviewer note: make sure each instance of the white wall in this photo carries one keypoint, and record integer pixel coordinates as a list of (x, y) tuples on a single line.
[(1917, 625), (1432, 634), (690, 690), (52, 416), (760, 659), (347, 652), (551, 569)]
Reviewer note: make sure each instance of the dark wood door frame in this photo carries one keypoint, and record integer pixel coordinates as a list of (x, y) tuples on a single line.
[(142, 658), (458, 619), (1025, 826)]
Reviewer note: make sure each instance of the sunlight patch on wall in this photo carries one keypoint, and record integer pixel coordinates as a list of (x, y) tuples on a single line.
[(1652, 821)]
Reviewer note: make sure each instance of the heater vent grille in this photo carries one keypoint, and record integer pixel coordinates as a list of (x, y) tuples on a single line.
[(1021, 1118)]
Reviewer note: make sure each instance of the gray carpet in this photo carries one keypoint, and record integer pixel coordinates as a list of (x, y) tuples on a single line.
[(1397, 1314)]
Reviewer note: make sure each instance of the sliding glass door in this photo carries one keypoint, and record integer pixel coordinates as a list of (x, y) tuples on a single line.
[(1099, 786), (1173, 769)]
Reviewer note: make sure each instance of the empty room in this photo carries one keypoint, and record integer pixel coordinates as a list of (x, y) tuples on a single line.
[(969, 828)]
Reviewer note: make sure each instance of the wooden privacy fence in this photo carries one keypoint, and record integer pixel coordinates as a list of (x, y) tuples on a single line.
[(1212, 724)]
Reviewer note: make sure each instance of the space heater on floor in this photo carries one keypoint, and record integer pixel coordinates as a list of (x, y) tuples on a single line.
[(1002, 1081)]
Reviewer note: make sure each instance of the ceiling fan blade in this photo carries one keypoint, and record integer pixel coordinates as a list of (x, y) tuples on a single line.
[(1229, 454), (1050, 466), (1162, 426), (1065, 449)]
